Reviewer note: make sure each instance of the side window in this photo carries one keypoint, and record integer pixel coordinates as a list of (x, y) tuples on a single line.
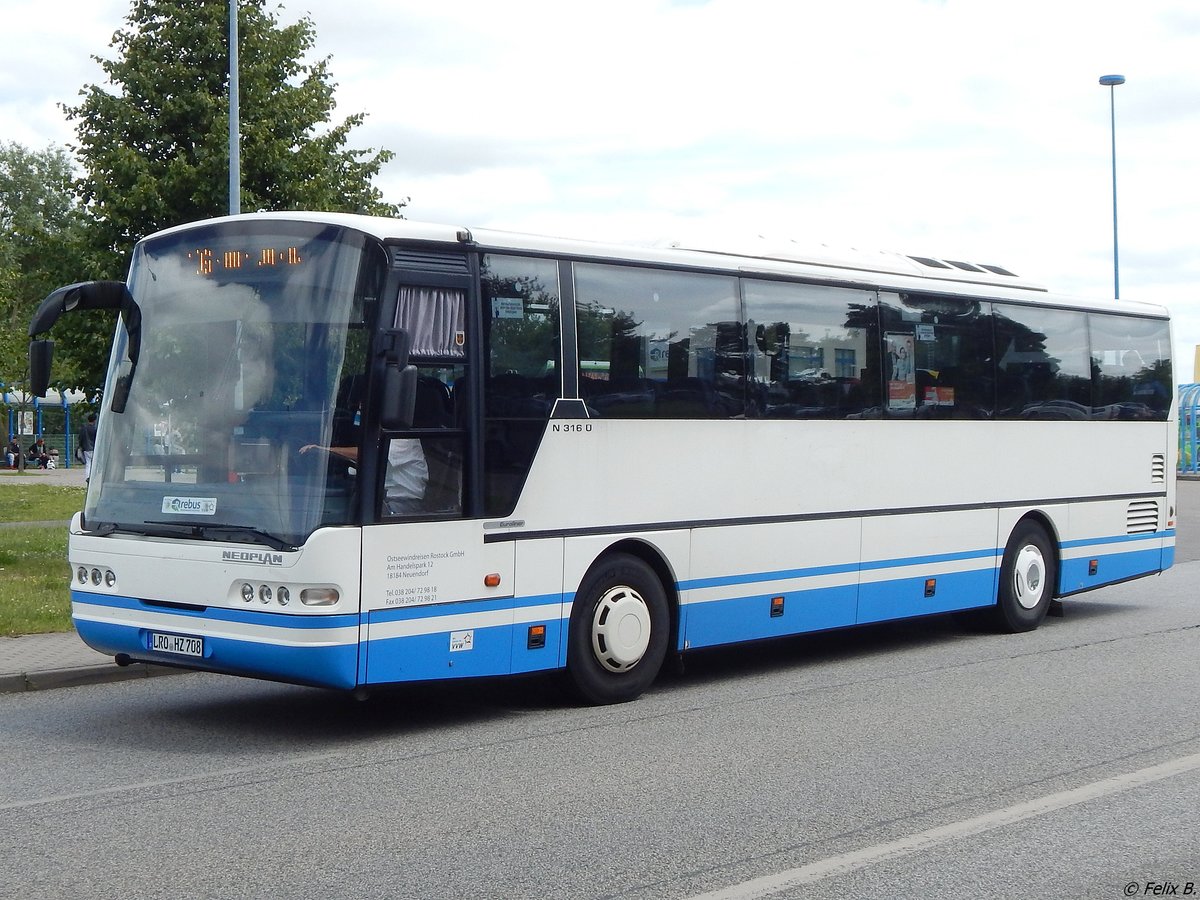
[(938, 357), (659, 344), (1042, 365), (425, 464), (522, 378), (1131, 364), (814, 350)]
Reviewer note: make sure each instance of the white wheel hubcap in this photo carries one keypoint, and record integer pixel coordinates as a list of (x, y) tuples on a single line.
[(620, 629), (1029, 576)]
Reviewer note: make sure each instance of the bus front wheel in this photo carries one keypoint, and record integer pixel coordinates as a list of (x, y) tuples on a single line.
[(1027, 577), (617, 638)]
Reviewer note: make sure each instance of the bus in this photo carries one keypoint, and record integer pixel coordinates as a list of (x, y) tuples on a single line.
[(346, 451)]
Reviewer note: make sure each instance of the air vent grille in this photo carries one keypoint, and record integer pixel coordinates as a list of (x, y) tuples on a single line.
[(429, 261), (1158, 468), (1142, 517)]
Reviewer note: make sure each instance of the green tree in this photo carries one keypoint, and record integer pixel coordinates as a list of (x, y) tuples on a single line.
[(43, 244), (154, 145), (153, 142)]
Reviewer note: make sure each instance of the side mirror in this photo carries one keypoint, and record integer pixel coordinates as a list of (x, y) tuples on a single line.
[(399, 396), (86, 295), (395, 344), (40, 355)]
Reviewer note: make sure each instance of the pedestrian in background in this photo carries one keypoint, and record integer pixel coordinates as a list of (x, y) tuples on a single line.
[(39, 454), (87, 445)]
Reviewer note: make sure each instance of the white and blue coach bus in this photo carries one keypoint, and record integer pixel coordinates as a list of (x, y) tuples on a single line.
[(345, 451)]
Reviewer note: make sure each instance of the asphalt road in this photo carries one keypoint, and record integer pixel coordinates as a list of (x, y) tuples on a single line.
[(927, 759), (1187, 545)]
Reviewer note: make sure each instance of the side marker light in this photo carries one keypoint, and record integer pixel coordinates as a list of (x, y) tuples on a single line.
[(537, 637)]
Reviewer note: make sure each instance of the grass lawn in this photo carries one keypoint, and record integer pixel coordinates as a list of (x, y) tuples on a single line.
[(34, 576), (25, 502)]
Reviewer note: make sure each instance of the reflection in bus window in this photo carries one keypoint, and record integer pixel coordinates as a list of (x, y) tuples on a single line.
[(813, 350), (521, 375), (938, 357), (1042, 366), (659, 344), (1131, 365)]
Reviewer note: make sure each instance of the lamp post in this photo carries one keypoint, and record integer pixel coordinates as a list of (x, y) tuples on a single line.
[(1110, 82), (235, 153)]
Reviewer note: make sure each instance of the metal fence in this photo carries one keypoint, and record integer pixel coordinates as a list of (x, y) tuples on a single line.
[(57, 421)]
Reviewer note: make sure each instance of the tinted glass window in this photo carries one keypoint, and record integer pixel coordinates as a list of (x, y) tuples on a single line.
[(659, 344), (937, 357), (1131, 361), (522, 377), (814, 350), (1043, 370)]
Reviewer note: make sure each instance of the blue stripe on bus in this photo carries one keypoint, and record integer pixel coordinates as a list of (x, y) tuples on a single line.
[(248, 616), (331, 666), (495, 649), (1118, 539), (905, 597), (1111, 567), (841, 569), (461, 607), (749, 618)]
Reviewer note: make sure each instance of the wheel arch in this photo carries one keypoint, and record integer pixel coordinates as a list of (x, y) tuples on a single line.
[(1046, 522), (657, 561)]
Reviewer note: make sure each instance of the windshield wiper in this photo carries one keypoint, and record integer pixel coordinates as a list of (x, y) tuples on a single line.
[(246, 533), (104, 529)]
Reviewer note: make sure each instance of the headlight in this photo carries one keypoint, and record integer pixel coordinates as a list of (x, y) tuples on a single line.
[(247, 592), (283, 595), (264, 593), (319, 596)]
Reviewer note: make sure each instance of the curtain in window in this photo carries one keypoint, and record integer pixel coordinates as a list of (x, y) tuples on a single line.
[(433, 318)]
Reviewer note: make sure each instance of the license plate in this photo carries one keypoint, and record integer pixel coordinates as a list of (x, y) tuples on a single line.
[(177, 643)]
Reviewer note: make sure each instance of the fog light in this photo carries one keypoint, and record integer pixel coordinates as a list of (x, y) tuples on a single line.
[(319, 596), (247, 593), (283, 595), (96, 577), (264, 594), (110, 578)]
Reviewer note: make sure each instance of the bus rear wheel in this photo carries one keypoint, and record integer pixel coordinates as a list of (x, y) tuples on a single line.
[(1027, 578), (617, 638)]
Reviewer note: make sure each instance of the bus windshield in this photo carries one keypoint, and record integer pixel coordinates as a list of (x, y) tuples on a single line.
[(253, 345)]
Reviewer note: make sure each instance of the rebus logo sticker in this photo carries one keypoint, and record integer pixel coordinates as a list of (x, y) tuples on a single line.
[(190, 506)]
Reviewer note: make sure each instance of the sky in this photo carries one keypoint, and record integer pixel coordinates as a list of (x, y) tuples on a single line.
[(960, 129)]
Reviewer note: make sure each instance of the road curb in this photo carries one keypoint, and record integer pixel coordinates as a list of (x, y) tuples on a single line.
[(49, 679)]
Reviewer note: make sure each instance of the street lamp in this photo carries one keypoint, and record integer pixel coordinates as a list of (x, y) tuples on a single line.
[(235, 125), (1110, 82)]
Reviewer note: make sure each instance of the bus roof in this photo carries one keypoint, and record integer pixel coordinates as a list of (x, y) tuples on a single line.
[(738, 255)]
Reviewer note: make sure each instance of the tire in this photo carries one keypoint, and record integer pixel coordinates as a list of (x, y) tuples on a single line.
[(1028, 574), (619, 631)]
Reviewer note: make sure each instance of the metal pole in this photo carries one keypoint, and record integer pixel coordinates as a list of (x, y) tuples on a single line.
[(235, 156), (1111, 82)]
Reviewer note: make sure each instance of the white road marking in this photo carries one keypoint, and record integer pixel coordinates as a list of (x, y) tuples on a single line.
[(845, 863)]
